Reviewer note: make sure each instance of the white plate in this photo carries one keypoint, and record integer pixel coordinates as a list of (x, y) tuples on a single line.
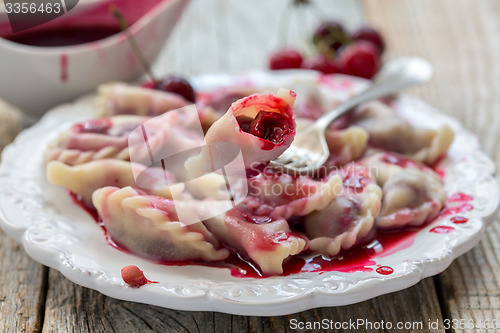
[(59, 234)]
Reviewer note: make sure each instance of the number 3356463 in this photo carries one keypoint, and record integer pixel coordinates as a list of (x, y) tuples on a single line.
[(33, 8)]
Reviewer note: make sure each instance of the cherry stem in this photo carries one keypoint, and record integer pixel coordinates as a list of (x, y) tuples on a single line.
[(137, 50)]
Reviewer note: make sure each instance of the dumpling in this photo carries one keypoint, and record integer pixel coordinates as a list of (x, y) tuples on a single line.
[(413, 194), (390, 132), (349, 218), (345, 145), (279, 194), (84, 179), (95, 139), (120, 98), (213, 104), (261, 125), (266, 241), (148, 226)]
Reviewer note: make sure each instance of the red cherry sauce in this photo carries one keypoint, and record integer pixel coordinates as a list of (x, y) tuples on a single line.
[(90, 23), (270, 126), (459, 219), (64, 36), (459, 197), (442, 229), (354, 260), (384, 270), (77, 199), (359, 259), (457, 203)]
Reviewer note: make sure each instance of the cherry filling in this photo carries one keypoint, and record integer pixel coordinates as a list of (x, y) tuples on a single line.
[(100, 126), (270, 126)]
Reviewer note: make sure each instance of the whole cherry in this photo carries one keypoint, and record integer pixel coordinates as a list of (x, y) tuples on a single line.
[(177, 85), (370, 35), (285, 59), (360, 58), (329, 37), (323, 64)]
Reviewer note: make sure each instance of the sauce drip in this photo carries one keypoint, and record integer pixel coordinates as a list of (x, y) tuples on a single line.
[(64, 67), (385, 270), (359, 259)]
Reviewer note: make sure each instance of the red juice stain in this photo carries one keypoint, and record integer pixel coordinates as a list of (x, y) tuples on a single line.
[(459, 196), (77, 199), (457, 203), (459, 219), (358, 259), (384, 270), (390, 241), (465, 207), (64, 67), (442, 229), (355, 260), (441, 173)]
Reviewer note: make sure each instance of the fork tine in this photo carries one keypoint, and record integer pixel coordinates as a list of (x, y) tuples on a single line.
[(300, 161), (286, 157)]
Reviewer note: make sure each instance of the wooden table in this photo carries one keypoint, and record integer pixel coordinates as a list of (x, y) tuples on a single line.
[(459, 37)]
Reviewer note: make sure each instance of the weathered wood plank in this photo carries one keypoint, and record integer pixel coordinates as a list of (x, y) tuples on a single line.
[(460, 38), (22, 290), (77, 309), (22, 287)]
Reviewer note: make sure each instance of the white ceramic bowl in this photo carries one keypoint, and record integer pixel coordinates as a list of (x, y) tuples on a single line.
[(37, 78)]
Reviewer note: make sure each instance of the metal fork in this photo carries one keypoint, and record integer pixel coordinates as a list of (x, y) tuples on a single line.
[(309, 150)]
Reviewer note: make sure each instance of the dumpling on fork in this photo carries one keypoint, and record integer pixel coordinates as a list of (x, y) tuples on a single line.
[(262, 126), (413, 193), (149, 226)]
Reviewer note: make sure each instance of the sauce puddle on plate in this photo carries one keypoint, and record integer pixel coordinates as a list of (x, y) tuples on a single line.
[(359, 259)]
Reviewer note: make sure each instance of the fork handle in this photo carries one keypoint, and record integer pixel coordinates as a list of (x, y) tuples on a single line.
[(400, 73)]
